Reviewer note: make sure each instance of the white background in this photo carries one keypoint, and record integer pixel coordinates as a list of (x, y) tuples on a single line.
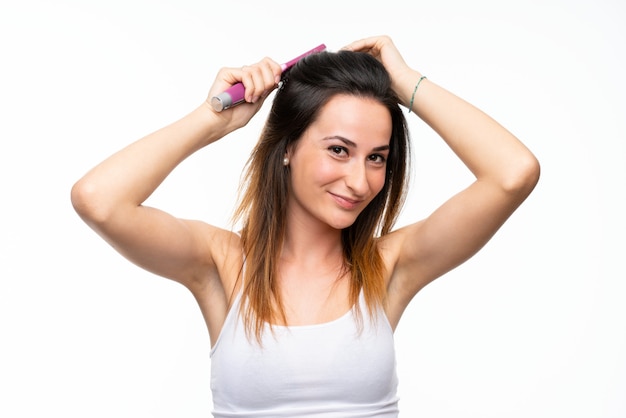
[(533, 326)]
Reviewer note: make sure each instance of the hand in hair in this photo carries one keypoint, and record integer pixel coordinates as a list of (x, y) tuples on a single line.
[(259, 80), (384, 50)]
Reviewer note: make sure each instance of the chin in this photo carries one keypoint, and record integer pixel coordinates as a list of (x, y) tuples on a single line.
[(342, 223)]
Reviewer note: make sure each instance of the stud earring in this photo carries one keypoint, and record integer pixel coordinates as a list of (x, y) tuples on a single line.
[(286, 161)]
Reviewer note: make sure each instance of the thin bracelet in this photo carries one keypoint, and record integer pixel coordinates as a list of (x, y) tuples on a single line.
[(414, 91)]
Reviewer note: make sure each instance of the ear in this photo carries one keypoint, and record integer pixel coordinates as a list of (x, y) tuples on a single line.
[(290, 149)]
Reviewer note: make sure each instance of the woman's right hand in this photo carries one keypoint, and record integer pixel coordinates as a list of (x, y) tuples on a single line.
[(259, 80)]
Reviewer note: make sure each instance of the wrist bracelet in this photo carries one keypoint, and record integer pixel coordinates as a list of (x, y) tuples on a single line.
[(414, 91)]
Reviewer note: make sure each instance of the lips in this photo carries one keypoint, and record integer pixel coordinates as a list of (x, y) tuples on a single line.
[(346, 203)]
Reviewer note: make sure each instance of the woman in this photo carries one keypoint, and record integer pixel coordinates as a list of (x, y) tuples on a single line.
[(302, 303)]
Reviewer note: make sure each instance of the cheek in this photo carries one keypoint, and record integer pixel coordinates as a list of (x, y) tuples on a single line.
[(307, 176), (323, 172), (377, 181)]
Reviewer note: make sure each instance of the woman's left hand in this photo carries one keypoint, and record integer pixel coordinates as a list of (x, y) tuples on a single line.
[(384, 50)]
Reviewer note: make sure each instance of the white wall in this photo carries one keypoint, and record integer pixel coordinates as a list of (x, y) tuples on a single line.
[(533, 326)]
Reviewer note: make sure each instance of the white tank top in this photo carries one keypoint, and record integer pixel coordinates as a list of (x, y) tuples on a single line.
[(325, 370)]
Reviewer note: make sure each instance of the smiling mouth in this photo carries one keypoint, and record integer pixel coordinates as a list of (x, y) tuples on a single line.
[(345, 202)]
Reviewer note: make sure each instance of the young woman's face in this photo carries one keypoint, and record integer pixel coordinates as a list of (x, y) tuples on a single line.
[(338, 166)]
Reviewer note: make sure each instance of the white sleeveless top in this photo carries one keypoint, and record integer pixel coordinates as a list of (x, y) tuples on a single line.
[(325, 370)]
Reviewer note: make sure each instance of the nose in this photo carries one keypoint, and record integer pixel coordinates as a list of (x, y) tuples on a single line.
[(356, 179)]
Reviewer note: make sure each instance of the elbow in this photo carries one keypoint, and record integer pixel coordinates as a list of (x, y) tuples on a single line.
[(523, 176), (86, 202)]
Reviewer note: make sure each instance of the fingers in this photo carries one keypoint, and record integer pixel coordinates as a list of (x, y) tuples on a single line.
[(372, 45), (384, 50), (260, 79)]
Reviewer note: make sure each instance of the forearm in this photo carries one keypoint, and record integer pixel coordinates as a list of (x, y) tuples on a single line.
[(490, 151), (131, 175), (125, 180)]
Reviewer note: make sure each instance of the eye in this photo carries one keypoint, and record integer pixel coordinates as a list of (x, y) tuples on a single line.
[(377, 159), (338, 150)]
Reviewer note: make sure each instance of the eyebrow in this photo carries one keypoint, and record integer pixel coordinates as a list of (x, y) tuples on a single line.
[(353, 144)]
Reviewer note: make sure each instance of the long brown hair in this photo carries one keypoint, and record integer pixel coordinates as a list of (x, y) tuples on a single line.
[(307, 87)]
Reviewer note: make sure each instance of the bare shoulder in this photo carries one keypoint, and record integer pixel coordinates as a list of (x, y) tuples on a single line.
[(393, 247), (403, 275), (222, 253), (216, 284)]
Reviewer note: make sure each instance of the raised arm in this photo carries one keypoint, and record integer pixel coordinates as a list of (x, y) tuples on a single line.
[(505, 170), (109, 198)]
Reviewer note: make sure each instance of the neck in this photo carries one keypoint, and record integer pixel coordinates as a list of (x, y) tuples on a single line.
[(315, 245)]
